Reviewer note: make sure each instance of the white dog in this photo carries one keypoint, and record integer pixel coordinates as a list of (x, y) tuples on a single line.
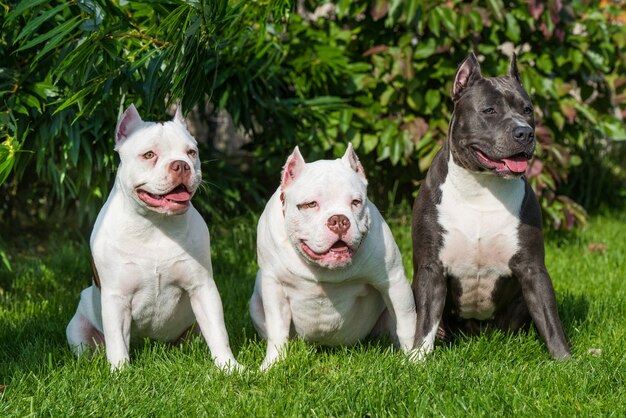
[(151, 249), (330, 270)]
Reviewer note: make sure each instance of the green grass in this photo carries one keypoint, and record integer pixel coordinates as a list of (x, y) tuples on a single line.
[(491, 375)]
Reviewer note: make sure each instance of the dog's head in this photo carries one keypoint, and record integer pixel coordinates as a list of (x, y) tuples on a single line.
[(325, 208), (160, 166), (493, 127)]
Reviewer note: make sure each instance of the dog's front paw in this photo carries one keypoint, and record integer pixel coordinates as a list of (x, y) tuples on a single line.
[(229, 365), (118, 365), (416, 355), (274, 354), (266, 364), (562, 356)]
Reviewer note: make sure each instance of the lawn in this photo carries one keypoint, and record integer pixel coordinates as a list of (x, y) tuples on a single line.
[(491, 375)]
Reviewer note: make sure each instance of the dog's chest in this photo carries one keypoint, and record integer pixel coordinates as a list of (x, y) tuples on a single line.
[(160, 305), (479, 216), (334, 314)]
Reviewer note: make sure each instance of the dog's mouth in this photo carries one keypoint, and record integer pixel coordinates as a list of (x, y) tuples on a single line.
[(515, 164), (339, 252), (176, 199)]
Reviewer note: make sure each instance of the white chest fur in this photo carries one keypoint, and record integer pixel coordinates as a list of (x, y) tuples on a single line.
[(479, 214)]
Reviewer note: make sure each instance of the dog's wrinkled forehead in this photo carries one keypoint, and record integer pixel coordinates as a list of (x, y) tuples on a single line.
[(133, 135), (168, 136), (494, 91), (326, 179), (503, 95)]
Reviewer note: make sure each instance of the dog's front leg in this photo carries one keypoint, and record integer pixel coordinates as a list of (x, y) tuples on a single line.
[(541, 301), (116, 320), (207, 307), (429, 288), (398, 297), (528, 266), (277, 319)]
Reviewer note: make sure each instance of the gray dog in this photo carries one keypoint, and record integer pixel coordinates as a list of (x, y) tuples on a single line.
[(477, 241)]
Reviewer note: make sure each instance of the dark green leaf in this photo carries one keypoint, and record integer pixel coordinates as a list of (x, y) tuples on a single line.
[(614, 129), (424, 49), (512, 28), (58, 33), (434, 22), (433, 98), (370, 142), (497, 8), (22, 6), (447, 19), (477, 21), (34, 24)]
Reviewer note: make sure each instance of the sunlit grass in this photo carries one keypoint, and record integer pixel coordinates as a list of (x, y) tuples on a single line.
[(486, 376)]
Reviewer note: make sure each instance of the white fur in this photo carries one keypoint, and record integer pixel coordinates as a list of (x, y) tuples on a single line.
[(479, 213), (429, 343), (154, 268), (326, 303), (521, 123), (310, 224), (170, 141)]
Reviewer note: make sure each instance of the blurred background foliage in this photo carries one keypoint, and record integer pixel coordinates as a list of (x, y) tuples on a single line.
[(318, 74)]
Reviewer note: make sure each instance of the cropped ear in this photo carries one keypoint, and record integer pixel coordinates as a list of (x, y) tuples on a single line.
[(352, 160), (292, 169), (178, 117), (127, 124), (513, 71), (468, 72)]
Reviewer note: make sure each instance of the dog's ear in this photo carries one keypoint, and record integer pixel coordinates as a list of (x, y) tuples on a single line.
[(178, 117), (292, 169), (513, 71), (127, 124), (352, 160), (468, 72)]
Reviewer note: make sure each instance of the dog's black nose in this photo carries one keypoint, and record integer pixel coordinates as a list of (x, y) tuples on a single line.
[(339, 224), (524, 134)]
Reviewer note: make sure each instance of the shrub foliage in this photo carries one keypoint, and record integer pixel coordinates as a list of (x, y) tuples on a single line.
[(376, 73)]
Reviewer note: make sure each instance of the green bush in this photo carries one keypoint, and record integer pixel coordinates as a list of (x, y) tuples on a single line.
[(72, 66), (377, 73), (398, 61)]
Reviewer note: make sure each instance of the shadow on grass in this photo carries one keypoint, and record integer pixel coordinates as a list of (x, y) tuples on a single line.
[(31, 344), (40, 296), (378, 345), (38, 299), (573, 310)]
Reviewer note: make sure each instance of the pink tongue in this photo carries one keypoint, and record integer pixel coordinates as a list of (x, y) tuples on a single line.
[(516, 164), (179, 194)]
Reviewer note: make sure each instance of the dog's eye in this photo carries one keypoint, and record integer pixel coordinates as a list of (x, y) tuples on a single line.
[(357, 202), (192, 153), (489, 111), (308, 205), (528, 110), (149, 155)]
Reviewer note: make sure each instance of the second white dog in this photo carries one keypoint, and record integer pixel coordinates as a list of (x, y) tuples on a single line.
[(330, 270)]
